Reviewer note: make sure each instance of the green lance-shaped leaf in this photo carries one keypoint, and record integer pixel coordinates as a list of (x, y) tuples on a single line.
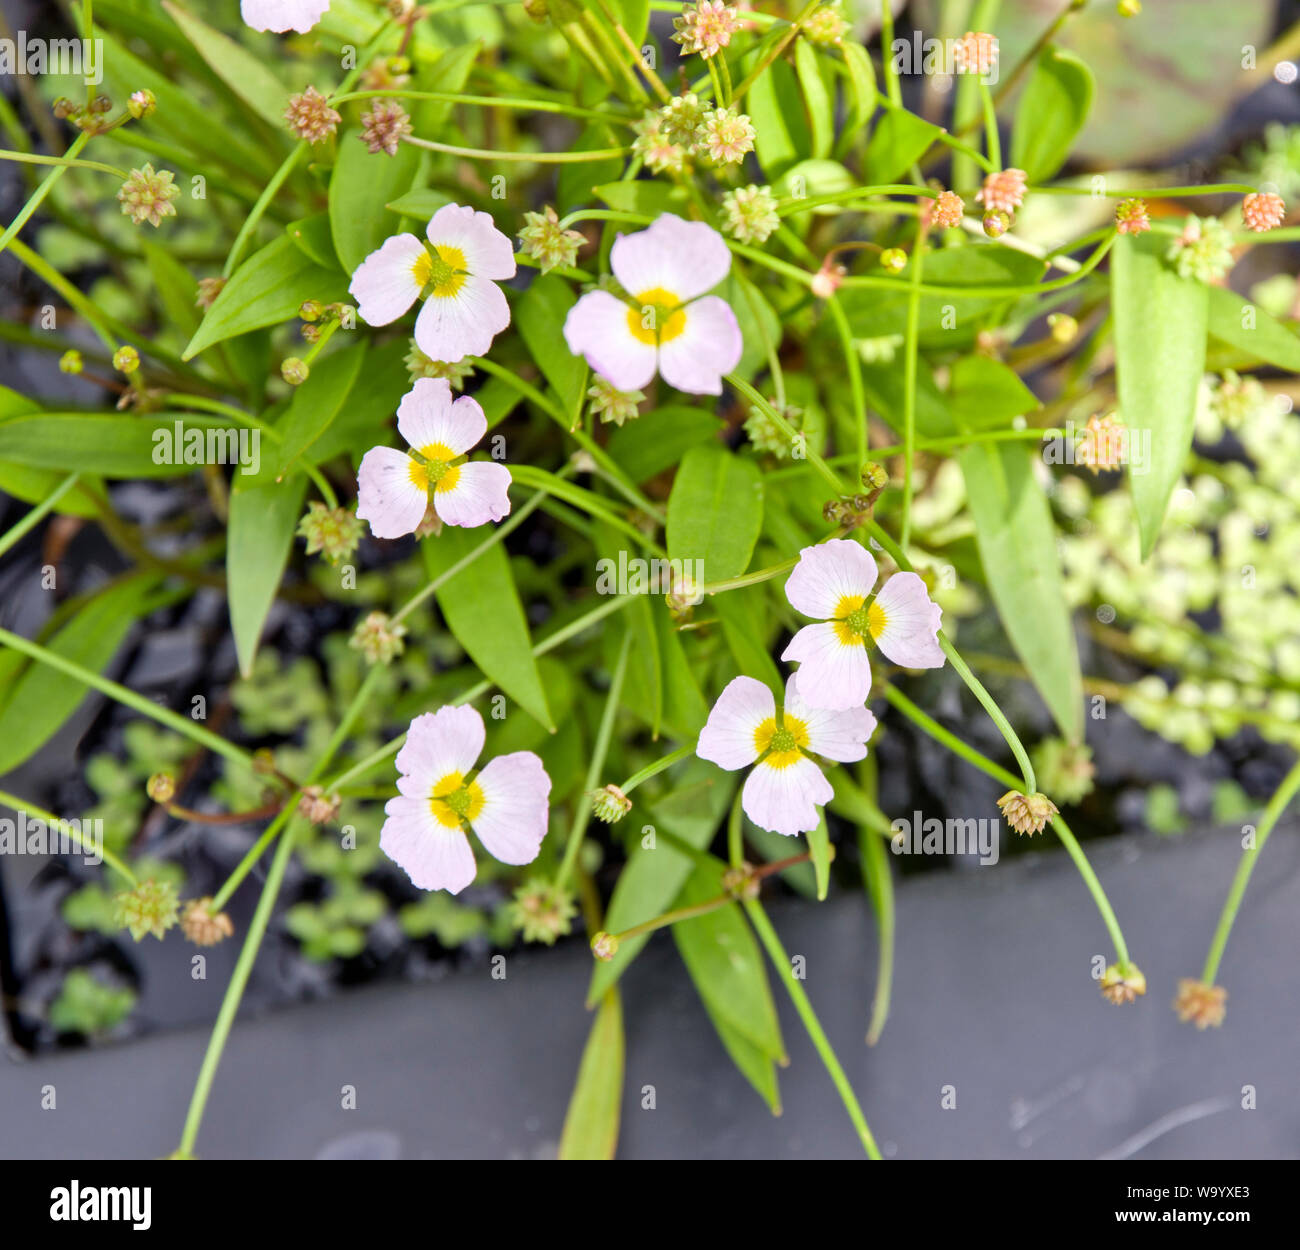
[(267, 288), (860, 97), (591, 1125), (1248, 328), (1052, 111), (656, 870), (1160, 328), (725, 962), (1017, 539), (42, 698), (818, 98), (715, 512), (111, 445), (259, 538), (316, 404), (362, 185), (898, 142), (243, 73), (775, 106), (482, 609), (540, 317)]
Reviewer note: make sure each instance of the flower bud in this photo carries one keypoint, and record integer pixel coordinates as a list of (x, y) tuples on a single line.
[(893, 260), (141, 103), (294, 371), (70, 362), (996, 224), (126, 359), (604, 946), (310, 310), (161, 787), (151, 907), (1065, 329), (1026, 813)]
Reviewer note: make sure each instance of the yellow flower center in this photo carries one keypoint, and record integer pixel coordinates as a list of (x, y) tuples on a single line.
[(658, 316), (782, 742), (437, 471), (442, 268), (452, 799), (854, 623)]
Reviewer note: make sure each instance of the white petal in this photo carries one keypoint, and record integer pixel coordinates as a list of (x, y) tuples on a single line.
[(785, 800), (384, 284), (597, 329), (832, 674), (912, 619), (512, 823), (282, 15), (427, 416), (686, 258), (709, 345), (442, 742), (478, 497), (828, 573), (487, 252), (386, 497), (435, 856), (728, 738), (451, 327), (834, 735)]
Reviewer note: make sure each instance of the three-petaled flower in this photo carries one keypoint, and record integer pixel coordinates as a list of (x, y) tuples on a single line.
[(505, 803), (786, 787), (670, 325), (282, 15), (833, 583), (393, 487), (456, 273)]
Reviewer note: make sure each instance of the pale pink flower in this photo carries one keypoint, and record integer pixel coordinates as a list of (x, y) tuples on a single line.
[(1003, 192), (282, 15), (393, 487), (976, 52), (505, 804), (1132, 216), (669, 325), (1263, 210), (457, 274), (945, 212), (786, 787), (833, 582)]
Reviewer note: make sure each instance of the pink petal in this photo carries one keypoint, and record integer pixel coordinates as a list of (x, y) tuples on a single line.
[(728, 738), (435, 856), (427, 416), (282, 15), (597, 329), (386, 496), (785, 800), (442, 742), (451, 327), (513, 821), (832, 674), (827, 573), (685, 258), (488, 253), (384, 284), (834, 735), (479, 496), (912, 619), (709, 345)]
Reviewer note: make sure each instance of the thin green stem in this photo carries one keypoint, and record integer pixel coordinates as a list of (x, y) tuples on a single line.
[(582, 812), (129, 698), (1232, 904), (653, 770), (234, 993), (794, 987), (33, 158), (487, 101), (787, 429), (58, 824), (37, 514), (911, 351), (893, 88), (536, 158)]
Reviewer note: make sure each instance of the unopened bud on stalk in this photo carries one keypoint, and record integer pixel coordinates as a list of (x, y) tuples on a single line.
[(893, 260), (1064, 327), (161, 787), (604, 946), (310, 310), (126, 359), (294, 371), (996, 224), (70, 362), (141, 103)]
